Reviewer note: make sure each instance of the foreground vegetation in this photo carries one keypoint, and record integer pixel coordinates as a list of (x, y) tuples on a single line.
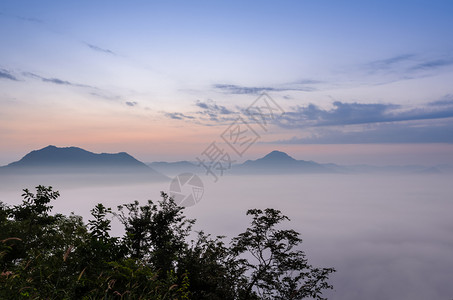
[(45, 256)]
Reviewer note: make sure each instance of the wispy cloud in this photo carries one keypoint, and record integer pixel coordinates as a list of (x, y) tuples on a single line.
[(22, 18), (212, 107), (30, 19), (208, 113), (445, 101), (56, 80), (340, 114), (394, 61), (99, 49), (307, 81), (131, 103), (7, 75), (355, 123), (407, 132), (407, 66), (302, 86), (433, 64), (178, 116), (359, 113), (91, 90), (105, 95), (237, 89), (213, 112)]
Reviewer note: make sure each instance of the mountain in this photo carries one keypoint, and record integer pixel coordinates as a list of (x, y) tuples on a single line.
[(278, 162), (73, 160), (275, 157), (78, 165), (73, 157)]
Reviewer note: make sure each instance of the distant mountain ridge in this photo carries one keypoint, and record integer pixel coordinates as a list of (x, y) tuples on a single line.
[(74, 160), (74, 156), (274, 157), (277, 162)]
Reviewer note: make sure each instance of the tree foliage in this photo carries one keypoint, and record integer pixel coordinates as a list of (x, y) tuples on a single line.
[(45, 256), (277, 270)]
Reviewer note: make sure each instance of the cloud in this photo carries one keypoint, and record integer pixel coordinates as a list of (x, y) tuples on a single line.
[(213, 112), (359, 113), (340, 114), (445, 101), (27, 19), (391, 61), (409, 132), (346, 122), (432, 64), (56, 80), (30, 19), (99, 49), (7, 75), (356, 123), (210, 112), (407, 66), (402, 67), (307, 81), (211, 106), (131, 103), (91, 90), (105, 95), (238, 89), (178, 116)]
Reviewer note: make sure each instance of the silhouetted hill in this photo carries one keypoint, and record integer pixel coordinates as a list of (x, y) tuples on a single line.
[(73, 160), (275, 157), (278, 162), (52, 156)]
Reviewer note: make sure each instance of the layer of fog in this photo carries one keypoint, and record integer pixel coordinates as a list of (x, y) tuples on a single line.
[(388, 236)]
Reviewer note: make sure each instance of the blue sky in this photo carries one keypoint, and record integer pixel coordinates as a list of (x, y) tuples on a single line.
[(163, 79)]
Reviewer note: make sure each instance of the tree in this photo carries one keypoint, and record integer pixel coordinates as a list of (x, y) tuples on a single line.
[(155, 232), (277, 270), (103, 247), (213, 270), (39, 259), (45, 256)]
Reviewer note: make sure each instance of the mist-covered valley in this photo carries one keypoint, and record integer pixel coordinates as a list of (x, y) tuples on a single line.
[(388, 235)]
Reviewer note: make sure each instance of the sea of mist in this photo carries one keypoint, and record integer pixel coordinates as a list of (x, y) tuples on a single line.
[(388, 236)]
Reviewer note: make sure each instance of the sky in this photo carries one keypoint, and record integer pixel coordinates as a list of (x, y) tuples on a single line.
[(349, 82)]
